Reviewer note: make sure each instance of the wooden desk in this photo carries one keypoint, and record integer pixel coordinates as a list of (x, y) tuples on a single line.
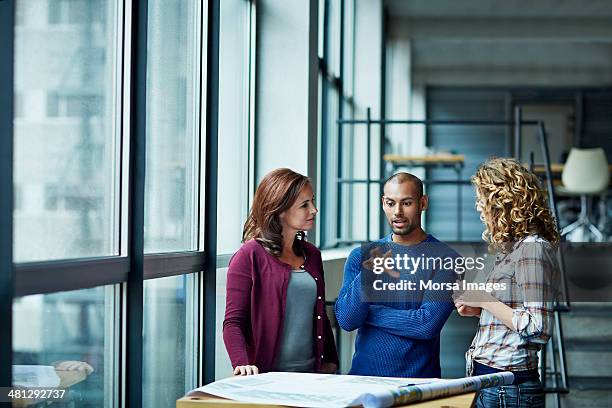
[(210, 401), (554, 168), (431, 160)]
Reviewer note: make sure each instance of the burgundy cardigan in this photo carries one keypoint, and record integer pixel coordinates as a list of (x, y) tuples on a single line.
[(255, 307)]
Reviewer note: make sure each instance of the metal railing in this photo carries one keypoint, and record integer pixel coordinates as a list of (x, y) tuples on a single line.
[(558, 372)]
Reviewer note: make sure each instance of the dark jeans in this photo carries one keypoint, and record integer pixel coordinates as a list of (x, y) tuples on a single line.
[(528, 394)]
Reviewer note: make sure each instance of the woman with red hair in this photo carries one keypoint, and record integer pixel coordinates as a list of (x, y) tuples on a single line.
[(275, 316)]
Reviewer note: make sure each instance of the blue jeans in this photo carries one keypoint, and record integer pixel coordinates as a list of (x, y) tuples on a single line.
[(526, 395)]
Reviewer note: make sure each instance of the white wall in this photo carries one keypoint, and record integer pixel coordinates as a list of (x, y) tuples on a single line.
[(367, 93), (286, 95)]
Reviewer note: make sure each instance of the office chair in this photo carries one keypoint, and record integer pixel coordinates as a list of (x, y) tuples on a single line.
[(585, 174)]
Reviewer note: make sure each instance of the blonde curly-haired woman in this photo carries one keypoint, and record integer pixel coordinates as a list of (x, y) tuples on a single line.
[(514, 323)]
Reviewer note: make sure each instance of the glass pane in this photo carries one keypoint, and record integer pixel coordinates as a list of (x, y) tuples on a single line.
[(348, 50), (331, 145), (65, 129), (74, 336), (172, 127), (170, 340), (321, 46), (233, 124), (223, 365), (333, 37)]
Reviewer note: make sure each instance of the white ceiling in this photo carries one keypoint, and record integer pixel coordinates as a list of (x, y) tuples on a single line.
[(471, 40)]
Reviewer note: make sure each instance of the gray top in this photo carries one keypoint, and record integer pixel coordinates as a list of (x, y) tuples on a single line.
[(296, 347)]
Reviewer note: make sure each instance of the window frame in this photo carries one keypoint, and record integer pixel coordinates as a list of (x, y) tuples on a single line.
[(338, 85), (247, 174), (129, 268), (7, 36)]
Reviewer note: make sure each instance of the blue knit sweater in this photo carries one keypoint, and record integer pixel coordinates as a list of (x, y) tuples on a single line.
[(397, 339)]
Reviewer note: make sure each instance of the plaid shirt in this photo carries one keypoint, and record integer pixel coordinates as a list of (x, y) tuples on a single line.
[(529, 271)]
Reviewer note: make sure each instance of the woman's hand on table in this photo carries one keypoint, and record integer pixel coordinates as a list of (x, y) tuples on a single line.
[(246, 370)]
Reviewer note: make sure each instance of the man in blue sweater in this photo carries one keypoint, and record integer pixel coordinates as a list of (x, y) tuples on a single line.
[(399, 338)]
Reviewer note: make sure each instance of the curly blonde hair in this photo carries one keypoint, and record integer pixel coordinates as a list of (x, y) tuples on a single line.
[(512, 203)]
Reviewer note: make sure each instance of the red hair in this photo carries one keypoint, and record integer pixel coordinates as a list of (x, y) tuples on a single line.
[(276, 193)]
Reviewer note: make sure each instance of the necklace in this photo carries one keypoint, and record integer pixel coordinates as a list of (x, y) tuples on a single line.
[(302, 266)]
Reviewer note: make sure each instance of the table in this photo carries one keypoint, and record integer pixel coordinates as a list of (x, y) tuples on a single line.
[(210, 401), (556, 169), (455, 161), (435, 159)]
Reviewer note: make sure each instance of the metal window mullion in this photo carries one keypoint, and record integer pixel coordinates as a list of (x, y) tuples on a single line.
[(133, 351), (65, 275), (172, 264), (191, 332), (340, 129), (58, 276), (325, 131), (6, 189), (197, 201), (202, 206), (382, 135), (252, 64), (208, 284)]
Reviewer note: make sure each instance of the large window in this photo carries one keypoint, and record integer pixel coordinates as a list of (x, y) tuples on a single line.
[(66, 176), (336, 85), (75, 334), (99, 216), (171, 221), (236, 59), (235, 185), (65, 133), (172, 197), (169, 340), (114, 140)]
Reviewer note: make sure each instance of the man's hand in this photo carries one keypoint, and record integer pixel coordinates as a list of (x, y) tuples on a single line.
[(464, 310), (246, 370), (377, 253), (474, 298)]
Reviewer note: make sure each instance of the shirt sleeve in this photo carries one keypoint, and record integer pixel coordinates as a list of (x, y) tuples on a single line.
[(535, 277), (351, 311), (237, 320), (422, 323)]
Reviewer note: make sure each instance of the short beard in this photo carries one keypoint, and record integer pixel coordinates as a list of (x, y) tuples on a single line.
[(403, 231), (408, 228)]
